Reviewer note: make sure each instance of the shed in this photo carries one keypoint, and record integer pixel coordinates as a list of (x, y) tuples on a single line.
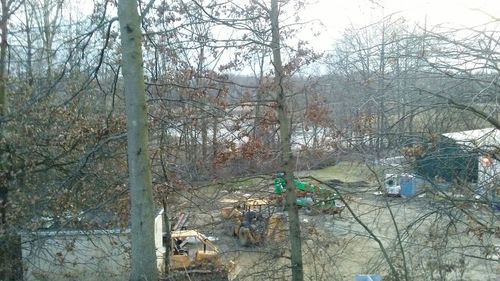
[(84, 255), (485, 144), (443, 158)]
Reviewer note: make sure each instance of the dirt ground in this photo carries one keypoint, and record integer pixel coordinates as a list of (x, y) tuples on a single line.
[(423, 239)]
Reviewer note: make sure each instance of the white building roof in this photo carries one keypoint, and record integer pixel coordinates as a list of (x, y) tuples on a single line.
[(481, 138)]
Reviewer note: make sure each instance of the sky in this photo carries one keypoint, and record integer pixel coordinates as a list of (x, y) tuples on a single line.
[(336, 15)]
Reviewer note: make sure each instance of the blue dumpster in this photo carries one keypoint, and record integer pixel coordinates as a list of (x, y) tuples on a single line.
[(408, 185)]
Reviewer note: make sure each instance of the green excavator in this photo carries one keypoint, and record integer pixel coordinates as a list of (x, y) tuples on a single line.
[(310, 197)]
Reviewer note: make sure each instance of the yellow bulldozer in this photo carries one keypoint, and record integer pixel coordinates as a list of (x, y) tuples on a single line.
[(255, 222), (199, 254), (194, 257)]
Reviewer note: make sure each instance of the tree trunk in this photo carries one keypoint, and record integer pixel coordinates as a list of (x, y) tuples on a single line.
[(258, 134), (29, 50), (215, 151), (381, 95), (286, 149), (3, 57), (204, 121), (3, 109), (141, 195), (168, 236)]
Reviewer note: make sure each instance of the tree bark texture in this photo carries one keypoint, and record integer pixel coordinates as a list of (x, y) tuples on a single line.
[(286, 149), (3, 56), (141, 195)]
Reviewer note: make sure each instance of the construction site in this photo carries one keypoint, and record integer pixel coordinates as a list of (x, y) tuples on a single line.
[(351, 229)]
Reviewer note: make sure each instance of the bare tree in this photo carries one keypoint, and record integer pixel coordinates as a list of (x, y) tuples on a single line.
[(141, 197), (286, 147)]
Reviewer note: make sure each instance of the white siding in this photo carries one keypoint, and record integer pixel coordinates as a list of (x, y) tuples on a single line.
[(82, 255), (76, 256)]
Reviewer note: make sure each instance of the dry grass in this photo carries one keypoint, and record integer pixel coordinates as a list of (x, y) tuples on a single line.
[(348, 172)]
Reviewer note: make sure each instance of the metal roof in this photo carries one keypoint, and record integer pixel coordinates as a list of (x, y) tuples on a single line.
[(481, 138)]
